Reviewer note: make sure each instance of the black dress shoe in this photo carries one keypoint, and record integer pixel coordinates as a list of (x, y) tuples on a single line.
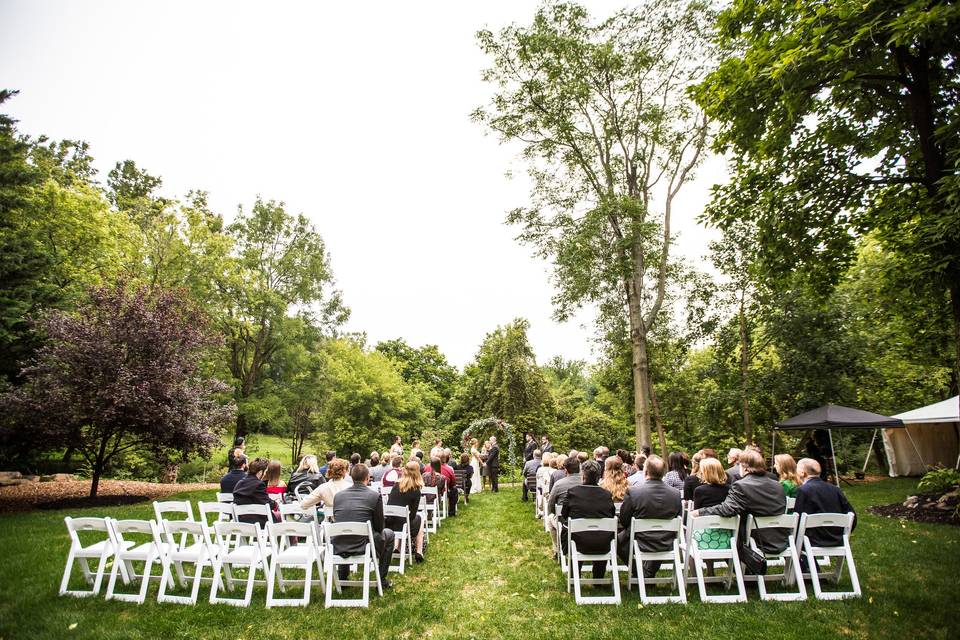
[(386, 584), (418, 557)]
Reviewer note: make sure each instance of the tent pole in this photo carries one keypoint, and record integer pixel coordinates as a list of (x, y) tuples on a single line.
[(869, 451), (833, 454), (907, 429), (773, 443)]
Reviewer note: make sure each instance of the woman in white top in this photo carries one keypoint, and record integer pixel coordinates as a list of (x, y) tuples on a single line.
[(338, 480), (397, 447), (477, 486)]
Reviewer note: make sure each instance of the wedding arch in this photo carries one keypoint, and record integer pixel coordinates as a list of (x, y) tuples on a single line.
[(483, 425)]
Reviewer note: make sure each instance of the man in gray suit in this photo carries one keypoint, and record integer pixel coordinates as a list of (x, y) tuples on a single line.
[(359, 503), (558, 496), (758, 494), (654, 500)]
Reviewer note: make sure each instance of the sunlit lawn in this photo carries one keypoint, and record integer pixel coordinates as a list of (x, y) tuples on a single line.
[(489, 575)]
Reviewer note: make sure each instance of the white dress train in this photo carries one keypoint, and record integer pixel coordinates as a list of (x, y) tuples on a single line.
[(477, 480)]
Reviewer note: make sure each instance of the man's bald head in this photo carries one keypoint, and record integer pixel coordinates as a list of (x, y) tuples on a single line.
[(808, 468)]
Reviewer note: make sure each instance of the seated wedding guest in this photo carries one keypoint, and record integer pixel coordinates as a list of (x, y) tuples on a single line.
[(450, 476), (239, 448), (816, 496), (467, 470), (358, 503), (338, 480), (354, 461), (786, 468), (419, 455), (560, 473), (637, 477), (712, 491), (416, 448), (627, 458), (406, 493), (548, 466), (307, 474), (251, 489), (677, 463), (434, 478), (614, 480), (530, 468), (583, 456), (651, 499), (733, 459), (275, 484), (758, 494), (588, 500), (392, 475), (238, 469), (692, 481), (558, 496), (378, 467), (330, 455)]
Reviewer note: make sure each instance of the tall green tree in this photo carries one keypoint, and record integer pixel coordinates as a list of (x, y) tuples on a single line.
[(425, 367), (602, 112), (843, 119)]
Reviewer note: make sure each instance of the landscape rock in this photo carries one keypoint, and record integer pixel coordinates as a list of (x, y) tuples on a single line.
[(9, 475)]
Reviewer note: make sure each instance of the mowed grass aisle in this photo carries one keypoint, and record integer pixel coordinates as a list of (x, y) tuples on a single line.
[(489, 575)]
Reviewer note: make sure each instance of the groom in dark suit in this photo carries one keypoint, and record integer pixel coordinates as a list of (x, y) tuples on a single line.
[(493, 464)]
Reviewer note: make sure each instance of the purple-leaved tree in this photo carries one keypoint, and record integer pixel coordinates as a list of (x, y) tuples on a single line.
[(122, 373)]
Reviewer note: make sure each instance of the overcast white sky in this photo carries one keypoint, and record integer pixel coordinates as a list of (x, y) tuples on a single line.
[(355, 114)]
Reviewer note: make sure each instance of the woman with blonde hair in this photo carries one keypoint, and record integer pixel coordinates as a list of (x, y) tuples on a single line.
[(406, 493), (712, 492), (307, 474), (614, 479), (786, 468)]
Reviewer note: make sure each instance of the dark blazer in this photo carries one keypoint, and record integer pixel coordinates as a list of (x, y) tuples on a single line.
[(556, 477), (653, 500), (357, 503), (558, 494), (709, 495), (817, 496), (493, 457), (528, 450), (229, 481), (306, 478), (252, 490), (733, 474), (589, 501), (546, 448), (760, 495), (690, 483)]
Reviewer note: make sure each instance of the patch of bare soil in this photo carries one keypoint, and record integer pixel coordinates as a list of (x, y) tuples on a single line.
[(75, 494), (938, 508)]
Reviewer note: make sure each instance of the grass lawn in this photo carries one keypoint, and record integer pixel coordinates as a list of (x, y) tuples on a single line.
[(489, 574)]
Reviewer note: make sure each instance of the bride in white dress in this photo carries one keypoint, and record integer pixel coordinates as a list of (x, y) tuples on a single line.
[(477, 486)]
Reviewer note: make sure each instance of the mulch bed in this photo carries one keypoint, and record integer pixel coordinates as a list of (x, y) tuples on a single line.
[(924, 511), (75, 494)]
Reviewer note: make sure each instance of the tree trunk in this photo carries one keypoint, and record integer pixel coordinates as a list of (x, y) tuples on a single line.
[(99, 463), (641, 391), (656, 417), (744, 373)]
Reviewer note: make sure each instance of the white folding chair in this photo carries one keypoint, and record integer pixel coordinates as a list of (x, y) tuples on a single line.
[(259, 510), (101, 551), (698, 557), (371, 571), (402, 537), (181, 508), (843, 552), (249, 551), (219, 510), (432, 518), (561, 533), (293, 545), (128, 552), (422, 510), (194, 547), (673, 555), (293, 512), (789, 558), (224, 497), (578, 525), (376, 486), (790, 504)]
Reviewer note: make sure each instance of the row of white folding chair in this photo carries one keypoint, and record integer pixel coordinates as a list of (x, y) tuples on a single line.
[(575, 558)]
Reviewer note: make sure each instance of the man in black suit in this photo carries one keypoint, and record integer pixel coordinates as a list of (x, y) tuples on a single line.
[(251, 489), (530, 469), (238, 469), (587, 500), (545, 446), (758, 494), (733, 459), (650, 499), (359, 503), (558, 496), (528, 448), (493, 464), (817, 496)]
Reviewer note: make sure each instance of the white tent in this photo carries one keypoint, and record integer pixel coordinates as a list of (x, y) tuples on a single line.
[(935, 433)]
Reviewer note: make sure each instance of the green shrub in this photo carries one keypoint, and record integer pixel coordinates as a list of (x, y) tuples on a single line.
[(939, 480)]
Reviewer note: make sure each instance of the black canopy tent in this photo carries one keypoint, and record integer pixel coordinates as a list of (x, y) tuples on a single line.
[(834, 416)]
